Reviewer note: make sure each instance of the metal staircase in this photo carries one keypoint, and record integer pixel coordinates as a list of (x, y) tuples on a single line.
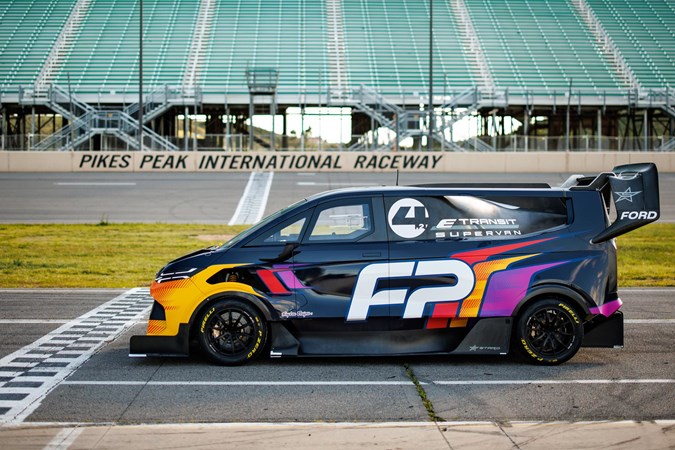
[(87, 121), (406, 123), (668, 104), (162, 98), (386, 114)]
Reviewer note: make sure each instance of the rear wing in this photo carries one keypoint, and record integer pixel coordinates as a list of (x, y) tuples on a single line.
[(634, 190)]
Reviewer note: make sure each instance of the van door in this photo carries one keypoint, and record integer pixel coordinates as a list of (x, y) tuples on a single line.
[(433, 279), (269, 258), (343, 238)]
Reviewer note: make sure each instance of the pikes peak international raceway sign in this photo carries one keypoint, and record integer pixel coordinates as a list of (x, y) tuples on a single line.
[(326, 161), (257, 161)]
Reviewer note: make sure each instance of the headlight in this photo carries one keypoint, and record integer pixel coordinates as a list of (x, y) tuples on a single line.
[(163, 277)]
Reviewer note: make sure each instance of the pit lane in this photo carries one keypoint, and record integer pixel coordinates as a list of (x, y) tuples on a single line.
[(635, 383)]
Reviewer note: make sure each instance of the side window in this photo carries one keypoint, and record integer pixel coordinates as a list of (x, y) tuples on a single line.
[(342, 223), (288, 231)]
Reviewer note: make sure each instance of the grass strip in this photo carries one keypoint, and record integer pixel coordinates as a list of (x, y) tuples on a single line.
[(103, 255), (645, 256), (423, 394), (128, 255)]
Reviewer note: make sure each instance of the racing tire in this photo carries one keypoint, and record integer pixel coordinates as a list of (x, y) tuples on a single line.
[(231, 332), (548, 332)]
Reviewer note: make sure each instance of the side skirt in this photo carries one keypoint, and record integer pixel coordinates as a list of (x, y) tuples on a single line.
[(490, 336)]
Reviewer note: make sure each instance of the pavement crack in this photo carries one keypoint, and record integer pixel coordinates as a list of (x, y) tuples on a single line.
[(501, 428), (423, 394)]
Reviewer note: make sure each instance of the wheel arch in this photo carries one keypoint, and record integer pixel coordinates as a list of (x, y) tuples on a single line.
[(577, 299), (258, 303)]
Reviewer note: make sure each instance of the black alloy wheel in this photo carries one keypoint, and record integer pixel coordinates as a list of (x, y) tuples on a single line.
[(548, 332), (231, 332)]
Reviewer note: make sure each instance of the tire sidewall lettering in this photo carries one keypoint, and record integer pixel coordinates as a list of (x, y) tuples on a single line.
[(207, 316)]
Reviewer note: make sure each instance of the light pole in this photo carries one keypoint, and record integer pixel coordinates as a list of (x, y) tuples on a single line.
[(430, 143), (140, 77)]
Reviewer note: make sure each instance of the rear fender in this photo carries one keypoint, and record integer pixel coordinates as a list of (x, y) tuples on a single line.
[(555, 290)]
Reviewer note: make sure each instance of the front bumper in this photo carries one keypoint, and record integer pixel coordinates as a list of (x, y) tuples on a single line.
[(178, 345)]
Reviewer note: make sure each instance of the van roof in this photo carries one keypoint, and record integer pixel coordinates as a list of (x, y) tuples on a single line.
[(429, 188)]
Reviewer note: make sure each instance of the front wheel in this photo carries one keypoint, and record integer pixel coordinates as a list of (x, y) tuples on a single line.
[(231, 332), (548, 332)]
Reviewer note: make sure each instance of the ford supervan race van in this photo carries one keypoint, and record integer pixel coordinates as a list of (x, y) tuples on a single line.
[(436, 269)]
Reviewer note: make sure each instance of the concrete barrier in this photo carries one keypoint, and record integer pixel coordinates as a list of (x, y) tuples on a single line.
[(499, 162)]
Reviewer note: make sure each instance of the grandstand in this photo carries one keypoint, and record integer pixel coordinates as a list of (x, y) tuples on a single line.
[(521, 74)]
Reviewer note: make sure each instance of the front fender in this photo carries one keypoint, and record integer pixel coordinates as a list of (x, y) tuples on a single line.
[(268, 312)]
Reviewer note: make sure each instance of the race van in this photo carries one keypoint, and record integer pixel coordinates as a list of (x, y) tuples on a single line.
[(435, 269)]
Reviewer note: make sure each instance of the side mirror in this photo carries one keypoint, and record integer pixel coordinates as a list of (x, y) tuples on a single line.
[(287, 252)]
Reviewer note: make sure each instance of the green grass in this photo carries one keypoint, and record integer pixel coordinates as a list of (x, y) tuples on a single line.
[(127, 255), (104, 255), (647, 256)]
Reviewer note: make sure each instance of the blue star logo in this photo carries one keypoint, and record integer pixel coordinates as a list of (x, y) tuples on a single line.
[(628, 194)]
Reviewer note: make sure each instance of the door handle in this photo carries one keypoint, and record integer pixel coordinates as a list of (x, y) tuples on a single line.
[(371, 254)]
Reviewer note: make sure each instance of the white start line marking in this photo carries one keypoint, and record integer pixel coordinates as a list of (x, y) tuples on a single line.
[(29, 374)]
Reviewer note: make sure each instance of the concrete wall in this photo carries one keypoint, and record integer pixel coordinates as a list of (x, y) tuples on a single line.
[(578, 162)]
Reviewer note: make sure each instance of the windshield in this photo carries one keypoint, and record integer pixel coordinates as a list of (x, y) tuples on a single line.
[(250, 231)]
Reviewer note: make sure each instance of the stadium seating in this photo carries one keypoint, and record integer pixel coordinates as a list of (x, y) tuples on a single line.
[(105, 52), (28, 30), (387, 46), (286, 35), (644, 32), (539, 45)]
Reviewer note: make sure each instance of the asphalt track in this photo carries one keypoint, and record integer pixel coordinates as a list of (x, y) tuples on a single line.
[(211, 198)]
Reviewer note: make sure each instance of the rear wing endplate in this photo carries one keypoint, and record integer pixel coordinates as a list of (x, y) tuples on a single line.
[(634, 189)]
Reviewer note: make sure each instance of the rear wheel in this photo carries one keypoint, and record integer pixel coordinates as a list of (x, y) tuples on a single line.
[(548, 332), (231, 332)]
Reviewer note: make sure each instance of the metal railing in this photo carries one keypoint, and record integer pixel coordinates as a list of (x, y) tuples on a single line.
[(108, 125)]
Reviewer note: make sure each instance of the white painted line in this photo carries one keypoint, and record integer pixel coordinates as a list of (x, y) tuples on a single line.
[(137, 304), (251, 206), (61, 321), (647, 290), (32, 321), (649, 321), (59, 290), (363, 383), (64, 439), (515, 382), (93, 183), (239, 383)]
